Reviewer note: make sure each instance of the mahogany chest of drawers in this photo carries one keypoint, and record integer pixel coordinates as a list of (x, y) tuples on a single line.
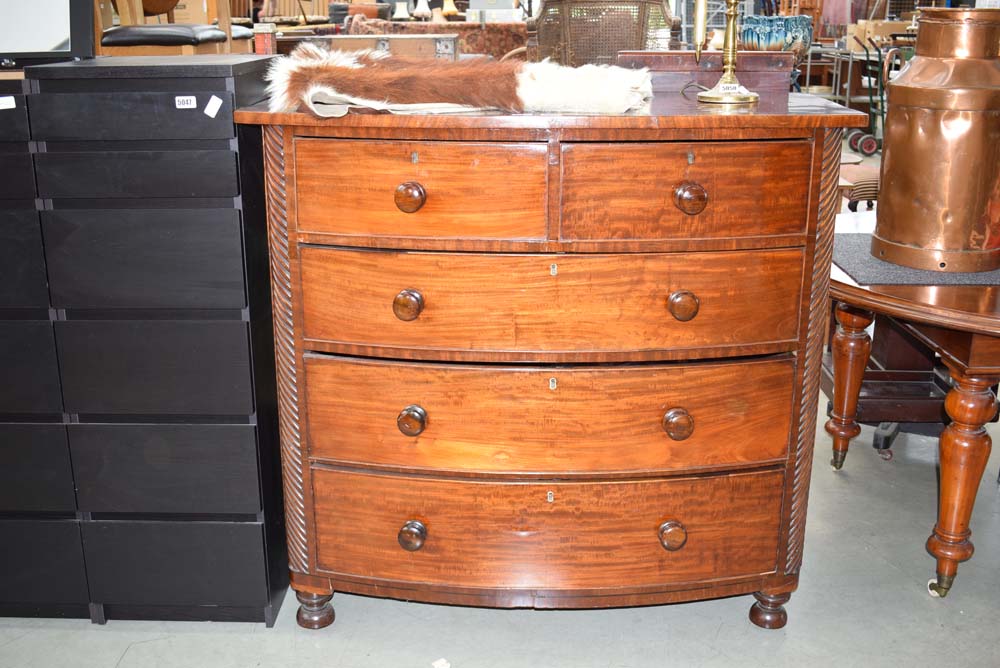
[(550, 362)]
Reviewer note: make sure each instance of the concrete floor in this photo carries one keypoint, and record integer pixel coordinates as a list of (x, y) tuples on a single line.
[(861, 602)]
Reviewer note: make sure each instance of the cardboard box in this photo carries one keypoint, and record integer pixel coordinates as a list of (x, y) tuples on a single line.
[(494, 15), (879, 31)]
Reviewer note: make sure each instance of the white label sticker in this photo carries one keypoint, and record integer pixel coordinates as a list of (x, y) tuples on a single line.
[(186, 102), (7, 102), (213, 106)]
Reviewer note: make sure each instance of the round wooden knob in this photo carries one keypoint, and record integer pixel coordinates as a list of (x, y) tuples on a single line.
[(410, 196), (408, 304), (412, 536), (412, 420), (673, 535), (683, 305), (678, 424), (690, 197)]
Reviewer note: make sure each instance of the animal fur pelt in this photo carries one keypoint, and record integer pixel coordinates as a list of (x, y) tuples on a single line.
[(329, 82)]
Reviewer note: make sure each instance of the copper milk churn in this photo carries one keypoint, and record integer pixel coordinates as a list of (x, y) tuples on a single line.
[(939, 203)]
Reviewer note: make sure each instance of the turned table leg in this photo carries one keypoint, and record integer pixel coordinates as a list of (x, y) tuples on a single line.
[(769, 610), (851, 348), (315, 611), (964, 448)]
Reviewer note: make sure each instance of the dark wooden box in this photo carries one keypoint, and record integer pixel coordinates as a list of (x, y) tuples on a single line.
[(139, 457)]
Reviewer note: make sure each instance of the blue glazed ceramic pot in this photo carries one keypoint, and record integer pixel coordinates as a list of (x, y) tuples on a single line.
[(777, 33)]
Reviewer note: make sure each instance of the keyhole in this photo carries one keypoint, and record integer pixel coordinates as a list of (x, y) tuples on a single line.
[(550, 496)]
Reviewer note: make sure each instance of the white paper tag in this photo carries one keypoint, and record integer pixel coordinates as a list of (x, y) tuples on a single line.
[(186, 102), (213, 106), (7, 102)]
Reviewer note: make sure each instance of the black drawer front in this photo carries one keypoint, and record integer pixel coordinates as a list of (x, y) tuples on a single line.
[(42, 562), (152, 367), (131, 116), (22, 263), (28, 367), (125, 258), (17, 180), (176, 563), (137, 174), (35, 470), (166, 468), (14, 120)]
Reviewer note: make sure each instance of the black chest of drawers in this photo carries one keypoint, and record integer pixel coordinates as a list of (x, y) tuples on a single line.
[(139, 473)]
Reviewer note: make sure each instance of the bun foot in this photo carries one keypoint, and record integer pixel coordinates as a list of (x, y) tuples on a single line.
[(769, 612), (315, 611)]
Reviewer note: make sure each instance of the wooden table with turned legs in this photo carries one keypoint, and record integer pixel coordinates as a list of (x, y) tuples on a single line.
[(961, 323)]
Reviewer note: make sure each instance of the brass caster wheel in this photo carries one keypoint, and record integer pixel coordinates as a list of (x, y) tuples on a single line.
[(886, 455), (936, 590)]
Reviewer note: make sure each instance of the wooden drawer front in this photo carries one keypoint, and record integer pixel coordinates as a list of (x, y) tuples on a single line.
[(593, 303), (17, 179), (155, 367), (627, 191), (510, 419), (473, 191), (126, 115), (136, 174), (176, 563), (42, 562), (14, 119), (29, 368), (22, 263), (124, 258), (165, 468), (35, 471), (591, 535)]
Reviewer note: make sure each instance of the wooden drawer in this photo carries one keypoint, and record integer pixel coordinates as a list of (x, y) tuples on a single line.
[(35, 470), (552, 303), (589, 535), (629, 191), (521, 420), (160, 468), (42, 562), (17, 180), (175, 563), (126, 115), (137, 174), (22, 262), (29, 368), (14, 119), (157, 258), (154, 367), (349, 187)]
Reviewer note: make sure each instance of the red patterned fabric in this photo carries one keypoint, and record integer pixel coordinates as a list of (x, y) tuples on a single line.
[(494, 39)]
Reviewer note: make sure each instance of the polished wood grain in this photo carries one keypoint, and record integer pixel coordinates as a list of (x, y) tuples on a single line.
[(851, 349), (450, 189), (500, 317), (280, 251), (964, 449), (589, 535), (503, 419), (551, 303), (684, 190), (815, 309), (960, 324), (667, 110)]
